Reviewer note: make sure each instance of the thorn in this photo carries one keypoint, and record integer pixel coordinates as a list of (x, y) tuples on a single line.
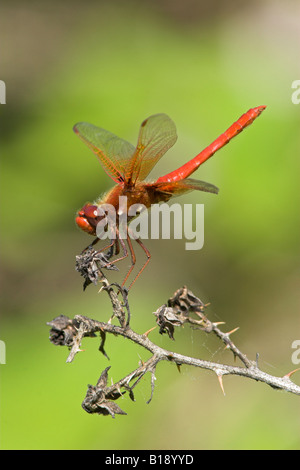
[(149, 331), (217, 323), (178, 367), (220, 379), (232, 331), (119, 389), (287, 376)]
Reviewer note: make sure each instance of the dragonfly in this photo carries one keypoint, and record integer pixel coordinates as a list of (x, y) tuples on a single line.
[(129, 166)]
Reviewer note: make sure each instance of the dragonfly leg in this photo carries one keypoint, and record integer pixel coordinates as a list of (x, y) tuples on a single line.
[(115, 243), (110, 247), (90, 246), (148, 254), (133, 258)]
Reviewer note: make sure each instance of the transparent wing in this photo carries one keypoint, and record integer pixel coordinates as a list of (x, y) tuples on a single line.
[(183, 186), (114, 153), (157, 135)]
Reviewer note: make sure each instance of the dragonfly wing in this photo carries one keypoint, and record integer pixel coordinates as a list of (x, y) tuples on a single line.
[(157, 135), (114, 153), (176, 188)]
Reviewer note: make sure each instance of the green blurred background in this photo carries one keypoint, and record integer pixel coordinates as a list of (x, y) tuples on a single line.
[(114, 64)]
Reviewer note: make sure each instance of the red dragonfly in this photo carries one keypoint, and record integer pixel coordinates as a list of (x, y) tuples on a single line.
[(128, 166)]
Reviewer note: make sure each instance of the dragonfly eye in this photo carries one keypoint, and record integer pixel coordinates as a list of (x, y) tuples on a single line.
[(84, 224), (89, 211), (86, 218)]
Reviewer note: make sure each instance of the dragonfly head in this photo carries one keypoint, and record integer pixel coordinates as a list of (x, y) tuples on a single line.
[(87, 218)]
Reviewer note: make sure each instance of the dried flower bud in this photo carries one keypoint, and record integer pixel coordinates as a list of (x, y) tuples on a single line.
[(63, 331), (184, 301), (98, 398), (89, 265), (166, 320)]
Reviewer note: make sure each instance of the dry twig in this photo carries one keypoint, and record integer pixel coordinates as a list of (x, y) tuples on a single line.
[(183, 307)]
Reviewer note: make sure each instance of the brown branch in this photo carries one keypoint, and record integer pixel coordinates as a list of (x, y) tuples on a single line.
[(183, 307), (160, 354)]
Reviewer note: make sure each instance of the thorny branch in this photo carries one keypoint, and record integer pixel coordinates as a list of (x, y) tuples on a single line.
[(184, 307)]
